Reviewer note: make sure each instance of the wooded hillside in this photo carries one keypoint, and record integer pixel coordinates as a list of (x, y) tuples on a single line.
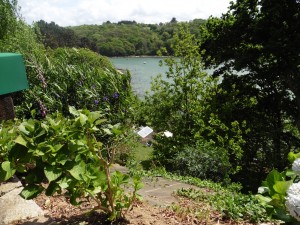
[(115, 39)]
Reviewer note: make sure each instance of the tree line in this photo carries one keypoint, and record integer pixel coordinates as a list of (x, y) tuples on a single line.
[(124, 38)]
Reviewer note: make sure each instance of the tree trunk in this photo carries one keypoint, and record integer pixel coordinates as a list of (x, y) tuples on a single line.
[(7, 111)]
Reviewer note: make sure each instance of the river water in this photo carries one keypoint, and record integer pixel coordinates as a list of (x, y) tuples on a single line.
[(142, 70)]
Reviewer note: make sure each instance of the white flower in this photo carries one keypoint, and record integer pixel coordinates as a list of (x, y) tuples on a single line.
[(293, 200), (296, 166), (294, 189)]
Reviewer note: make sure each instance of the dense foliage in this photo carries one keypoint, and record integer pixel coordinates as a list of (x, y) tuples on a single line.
[(115, 39), (66, 76), (55, 143), (237, 124), (72, 154), (201, 145), (54, 36), (255, 48)]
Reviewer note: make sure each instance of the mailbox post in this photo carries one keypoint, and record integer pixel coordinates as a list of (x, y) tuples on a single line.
[(12, 79)]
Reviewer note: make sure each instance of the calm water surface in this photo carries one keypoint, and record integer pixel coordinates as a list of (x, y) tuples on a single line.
[(142, 69)]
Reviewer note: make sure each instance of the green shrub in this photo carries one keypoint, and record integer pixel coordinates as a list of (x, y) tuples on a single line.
[(184, 105), (205, 161), (232, 205), (74, 77), (74, 154)]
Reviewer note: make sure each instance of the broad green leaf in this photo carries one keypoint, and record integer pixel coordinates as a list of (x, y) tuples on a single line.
[(138, 186), (116, 131), (100, 121), (64, 183), (78, 170), (37, 153), (282, 186), (52, 173), (7, 171), (29, 125), (73, 111), (58, 147), (293, 156), (273, 177), (45, 127), (101, 179), (20, 140), (119, 178), (23, 129), (264, 199), (83, 118), (290, 173), (93, 116), (41, 133), (107, 131), (31, 191)]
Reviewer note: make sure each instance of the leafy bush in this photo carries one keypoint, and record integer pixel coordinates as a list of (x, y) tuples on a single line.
[(73, 154), (205, 161), (184, 105), (74, 77), (232, 205), (280, 191), (63, 77)]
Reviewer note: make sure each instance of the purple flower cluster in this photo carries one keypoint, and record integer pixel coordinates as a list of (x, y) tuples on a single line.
[(43, 80), (105, 98), (116, 95), (43, 109)]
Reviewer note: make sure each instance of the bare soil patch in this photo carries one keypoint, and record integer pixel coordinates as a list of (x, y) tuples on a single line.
[(59, 211)]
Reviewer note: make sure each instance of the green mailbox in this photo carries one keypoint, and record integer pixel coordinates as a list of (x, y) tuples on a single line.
[(12, 73), (12, 78)]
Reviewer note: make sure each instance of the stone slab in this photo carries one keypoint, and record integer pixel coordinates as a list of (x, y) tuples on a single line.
[(14, 208), (10, 185)]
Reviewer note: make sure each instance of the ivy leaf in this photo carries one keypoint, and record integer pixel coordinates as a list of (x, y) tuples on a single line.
[(31, 191), (52, 173)]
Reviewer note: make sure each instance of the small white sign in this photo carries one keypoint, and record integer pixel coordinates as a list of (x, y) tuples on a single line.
[(145, 131)]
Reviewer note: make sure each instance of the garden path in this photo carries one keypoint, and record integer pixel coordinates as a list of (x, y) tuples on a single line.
[(157, 191)]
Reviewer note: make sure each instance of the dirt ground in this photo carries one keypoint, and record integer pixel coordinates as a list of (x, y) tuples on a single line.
[(60, 211), (160, 206)]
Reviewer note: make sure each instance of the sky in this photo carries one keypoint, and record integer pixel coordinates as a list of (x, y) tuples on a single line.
[(79, 12)]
